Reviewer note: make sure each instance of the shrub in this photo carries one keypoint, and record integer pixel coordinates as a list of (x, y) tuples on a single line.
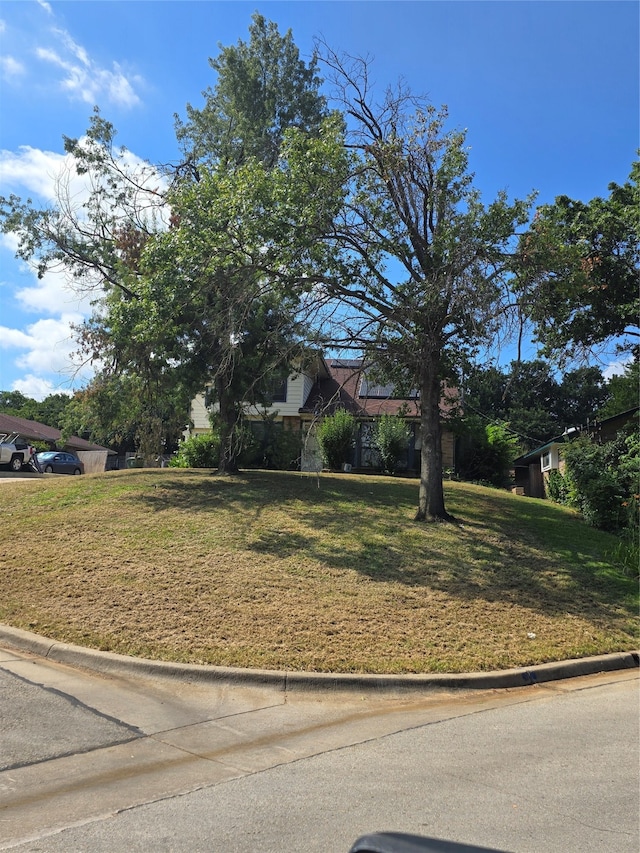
[(595, 484), (487, 452), (391, 438), (335, 437), (272, 446), (557, 487), (198, 451)]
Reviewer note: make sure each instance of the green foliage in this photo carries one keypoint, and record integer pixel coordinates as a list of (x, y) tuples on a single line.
[(557, 487), (126, 412), (50, 411), (198, 451), (602, 481), (391, 438), (487, 451), (335, 436), (623, 390), (262, 88), (536, 405), (271, 446), (580, 262), (503, 448)]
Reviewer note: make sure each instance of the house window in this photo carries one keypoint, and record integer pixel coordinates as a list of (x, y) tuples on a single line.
[(388, 391), (549, 459), (279, 391)]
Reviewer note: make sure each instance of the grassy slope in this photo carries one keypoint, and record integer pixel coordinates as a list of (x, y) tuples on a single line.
[(282, 570)]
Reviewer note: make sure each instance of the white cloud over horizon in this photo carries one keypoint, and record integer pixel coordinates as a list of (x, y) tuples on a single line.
[(38, 388), (44, 352)]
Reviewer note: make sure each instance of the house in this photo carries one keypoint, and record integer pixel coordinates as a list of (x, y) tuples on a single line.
[(532, 470), (93, 455), (329, 384)]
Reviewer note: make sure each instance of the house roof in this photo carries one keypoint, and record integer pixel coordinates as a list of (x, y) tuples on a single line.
[(591, 428), (537, 452), (347, 386), (35, 431)]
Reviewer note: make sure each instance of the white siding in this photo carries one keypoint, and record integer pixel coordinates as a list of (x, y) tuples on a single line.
[(200, 416), (296, 385)]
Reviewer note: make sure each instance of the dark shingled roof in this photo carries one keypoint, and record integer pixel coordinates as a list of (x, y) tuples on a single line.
[(347, 387), (34, 431)]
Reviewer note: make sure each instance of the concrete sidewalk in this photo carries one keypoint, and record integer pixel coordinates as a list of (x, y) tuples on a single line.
[(95, 740)]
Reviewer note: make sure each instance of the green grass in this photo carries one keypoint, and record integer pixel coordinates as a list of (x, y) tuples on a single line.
[(290, 571)]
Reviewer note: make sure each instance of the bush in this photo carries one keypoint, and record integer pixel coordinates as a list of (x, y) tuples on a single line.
[(271, 446), (593, 486), (335, 437), (198, 451), (391, 438), (486, 452), (557, 487)]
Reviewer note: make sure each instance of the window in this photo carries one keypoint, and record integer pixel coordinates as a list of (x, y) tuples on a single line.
[(549, 459), (369, 388), (279, 390)]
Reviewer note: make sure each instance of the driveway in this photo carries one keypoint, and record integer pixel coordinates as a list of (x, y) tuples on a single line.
[(111, 762)]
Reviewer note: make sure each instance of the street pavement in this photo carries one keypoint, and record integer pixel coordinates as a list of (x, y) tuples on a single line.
[(135, 760)]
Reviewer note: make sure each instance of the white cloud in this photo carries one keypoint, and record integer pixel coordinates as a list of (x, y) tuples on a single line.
[(46, 6), (616, 368), (55, 292), (11, 67), (84, 79), (42, 350), (45, 349), (33, 170), (38, 388)]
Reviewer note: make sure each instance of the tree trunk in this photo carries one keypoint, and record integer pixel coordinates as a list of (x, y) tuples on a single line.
[(228, 463), (431, 496)]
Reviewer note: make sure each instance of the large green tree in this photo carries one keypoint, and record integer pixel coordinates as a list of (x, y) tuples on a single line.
[(262, 88), (114, 410), (155, 320), (422, 260), (580, 265), (239, 321), (535, 403)]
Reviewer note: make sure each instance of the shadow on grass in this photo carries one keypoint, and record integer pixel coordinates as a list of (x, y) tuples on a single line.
[(530, 553)]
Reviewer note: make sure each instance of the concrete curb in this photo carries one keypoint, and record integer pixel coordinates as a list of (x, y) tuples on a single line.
[(109, 663)]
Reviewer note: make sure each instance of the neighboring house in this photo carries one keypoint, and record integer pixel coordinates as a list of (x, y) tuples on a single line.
[(532, 469), (93, 455), (330, 384)]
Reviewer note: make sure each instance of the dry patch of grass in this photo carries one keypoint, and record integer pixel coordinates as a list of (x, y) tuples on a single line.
[(282, 570)]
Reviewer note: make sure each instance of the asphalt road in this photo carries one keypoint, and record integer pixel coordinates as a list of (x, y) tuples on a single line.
[(116, 762)]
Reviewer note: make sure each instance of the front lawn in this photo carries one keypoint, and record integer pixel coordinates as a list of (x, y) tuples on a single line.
[(289, 571)]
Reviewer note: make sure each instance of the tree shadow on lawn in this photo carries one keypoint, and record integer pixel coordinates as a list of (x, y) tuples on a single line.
[(528, 553), (205, 490), (488, 565)]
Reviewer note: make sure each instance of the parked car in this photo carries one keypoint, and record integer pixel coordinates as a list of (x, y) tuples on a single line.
[(15, 451), (59, 462)]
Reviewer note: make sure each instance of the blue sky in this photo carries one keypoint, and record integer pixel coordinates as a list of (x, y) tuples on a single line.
[(547, 90)]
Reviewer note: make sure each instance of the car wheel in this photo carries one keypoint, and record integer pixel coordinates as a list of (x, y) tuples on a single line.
[(48, 469), (16, 463), (77, 471)]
